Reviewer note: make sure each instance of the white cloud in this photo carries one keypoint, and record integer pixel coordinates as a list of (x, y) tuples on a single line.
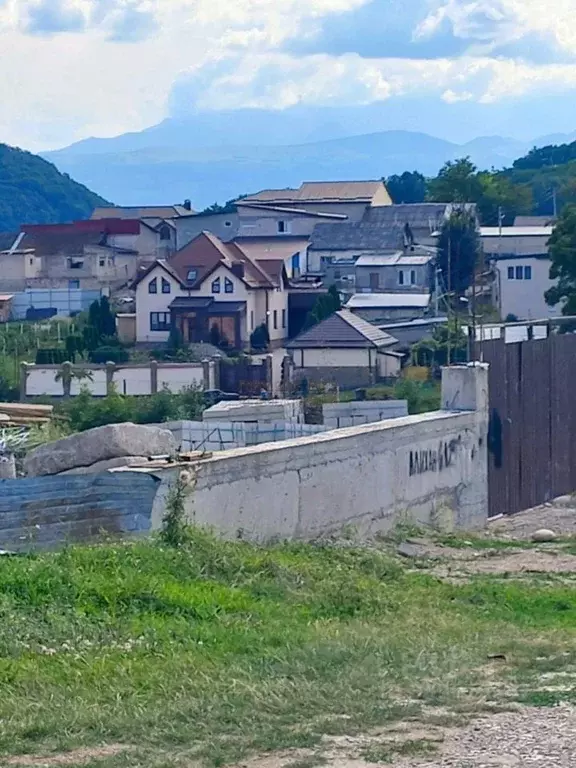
[(497, 22), (73, 68)]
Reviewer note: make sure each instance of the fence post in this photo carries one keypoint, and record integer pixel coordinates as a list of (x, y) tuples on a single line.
[(110, 369), (267, 374), (465, 388), (153, 376), (206, 374), (24, 372)]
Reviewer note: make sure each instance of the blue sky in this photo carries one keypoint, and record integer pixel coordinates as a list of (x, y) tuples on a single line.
[(77, 68)]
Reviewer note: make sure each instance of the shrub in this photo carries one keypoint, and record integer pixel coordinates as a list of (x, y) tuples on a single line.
[(260, 338), (103, 355), (52, 356)]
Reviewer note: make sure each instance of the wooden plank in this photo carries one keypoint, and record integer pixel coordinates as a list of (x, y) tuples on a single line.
[(512, 427)]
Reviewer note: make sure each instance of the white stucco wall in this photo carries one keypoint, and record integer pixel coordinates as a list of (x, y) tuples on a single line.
[(154, 302), (330, 358), (429, 469), (525, 298)]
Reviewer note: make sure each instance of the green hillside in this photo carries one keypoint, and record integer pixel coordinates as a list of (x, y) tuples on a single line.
[(33, 191)]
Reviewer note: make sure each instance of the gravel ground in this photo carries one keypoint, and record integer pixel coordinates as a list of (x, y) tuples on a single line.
[(559, 516), (530, 738)]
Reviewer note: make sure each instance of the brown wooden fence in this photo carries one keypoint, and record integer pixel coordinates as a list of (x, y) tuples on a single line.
[(532, 435)]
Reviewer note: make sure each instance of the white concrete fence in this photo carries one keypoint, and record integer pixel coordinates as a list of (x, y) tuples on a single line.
[(430, 469), (69, 380)]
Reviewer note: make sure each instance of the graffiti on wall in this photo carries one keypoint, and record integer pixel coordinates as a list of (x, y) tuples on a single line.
[(434, 459)]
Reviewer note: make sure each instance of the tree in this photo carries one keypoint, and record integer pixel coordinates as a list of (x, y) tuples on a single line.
[(457, 182), (562, 249), (499, 195), (458, 250), (324, 307), (101, 326), (407, 188), (260, 338)]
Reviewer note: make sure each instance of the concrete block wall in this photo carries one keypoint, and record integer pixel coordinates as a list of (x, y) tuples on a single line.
[(430, 469), (339, 415), (256, 411)]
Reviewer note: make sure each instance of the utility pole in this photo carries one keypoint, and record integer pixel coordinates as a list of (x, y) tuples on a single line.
[(449, 350), (555, 202)]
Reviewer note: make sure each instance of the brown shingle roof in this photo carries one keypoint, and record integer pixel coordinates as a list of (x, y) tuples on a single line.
[(141, 212), (343, 330), (320, 192)]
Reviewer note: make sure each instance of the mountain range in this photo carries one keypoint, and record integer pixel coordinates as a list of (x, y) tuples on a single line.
[(217, 156)]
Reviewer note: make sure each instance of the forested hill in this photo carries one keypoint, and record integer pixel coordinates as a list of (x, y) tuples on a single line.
[(33, 191)]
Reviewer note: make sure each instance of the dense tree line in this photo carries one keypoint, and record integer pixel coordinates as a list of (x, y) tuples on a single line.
[(33, 191), (541, 183)]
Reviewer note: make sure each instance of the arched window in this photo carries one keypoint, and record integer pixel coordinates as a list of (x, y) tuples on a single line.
[(153, 286), (216, 285), (165, 233)]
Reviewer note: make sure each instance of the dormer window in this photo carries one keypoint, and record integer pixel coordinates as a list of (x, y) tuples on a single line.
[(165, 233), (153, 286), (192, 275), (216, 285)]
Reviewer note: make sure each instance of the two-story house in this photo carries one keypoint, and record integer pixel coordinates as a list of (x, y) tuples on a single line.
[(401, 272), (289, 212), (233, 287), (521, 262)]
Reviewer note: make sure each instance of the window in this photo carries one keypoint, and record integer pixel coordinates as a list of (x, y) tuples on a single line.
[(75, 263), (283, 318), (374, 281), (282, 227), (165, 232), (413, 277), (227, 223), (401, 277), (153, 286), (275, 319), (527, 273), (228, 285), (510, 273), (519, 273), (191, 275), (73, 285), (166, 287), (216, 285), (159, 321), (102, 262), (31, 262)]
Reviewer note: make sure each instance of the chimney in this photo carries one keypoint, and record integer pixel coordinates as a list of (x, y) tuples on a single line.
[(188, 205), (238, 269)]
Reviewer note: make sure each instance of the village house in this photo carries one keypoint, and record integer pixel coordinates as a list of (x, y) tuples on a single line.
[(390, 307), (345, 350), (521, 262), (214, 289), (289, 212), (86, 255)]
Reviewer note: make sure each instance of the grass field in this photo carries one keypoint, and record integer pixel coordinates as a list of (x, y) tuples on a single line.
[(211, 652)]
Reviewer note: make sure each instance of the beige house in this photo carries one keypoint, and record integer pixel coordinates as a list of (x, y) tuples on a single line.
[(232, 287), (289, 212), (521, 263), (346, 350)]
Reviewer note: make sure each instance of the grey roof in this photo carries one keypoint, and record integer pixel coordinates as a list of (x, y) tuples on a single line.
[(419, 215), (516, 231), (343, 330), (388, 300), (400, 259), (356, 236)]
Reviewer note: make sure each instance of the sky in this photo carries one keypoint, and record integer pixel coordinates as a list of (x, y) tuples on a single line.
[(70, 69)]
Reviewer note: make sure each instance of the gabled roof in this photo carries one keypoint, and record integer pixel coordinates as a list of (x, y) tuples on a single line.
[(343, 330), (141, 212), (319, 192), (145, 269)]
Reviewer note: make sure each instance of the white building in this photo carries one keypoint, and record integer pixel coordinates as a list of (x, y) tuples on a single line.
[(522, 265)]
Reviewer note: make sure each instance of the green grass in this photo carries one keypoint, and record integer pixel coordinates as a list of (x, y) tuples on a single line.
[(217, 650)]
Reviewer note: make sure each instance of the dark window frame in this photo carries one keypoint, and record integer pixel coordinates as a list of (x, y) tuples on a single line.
[(158, 325), (166, 287), (153, 286)]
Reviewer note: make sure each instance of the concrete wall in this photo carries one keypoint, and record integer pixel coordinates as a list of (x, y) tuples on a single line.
[(340, 415), (227, 435), (429, 469), (389, 279)]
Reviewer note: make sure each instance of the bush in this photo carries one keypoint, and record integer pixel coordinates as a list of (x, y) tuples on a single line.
[(51, 356), (103, 355), (260, 338)]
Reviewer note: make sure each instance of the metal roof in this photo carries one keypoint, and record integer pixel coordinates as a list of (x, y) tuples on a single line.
[(388, 300), (394, 260), (342, 330), (359, 236), (319, 192), (516, 231)]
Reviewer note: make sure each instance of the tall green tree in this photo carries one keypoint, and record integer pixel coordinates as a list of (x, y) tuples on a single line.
[(562, 249), (457, 182), (324, 307), (409, 187), (458, 251)]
